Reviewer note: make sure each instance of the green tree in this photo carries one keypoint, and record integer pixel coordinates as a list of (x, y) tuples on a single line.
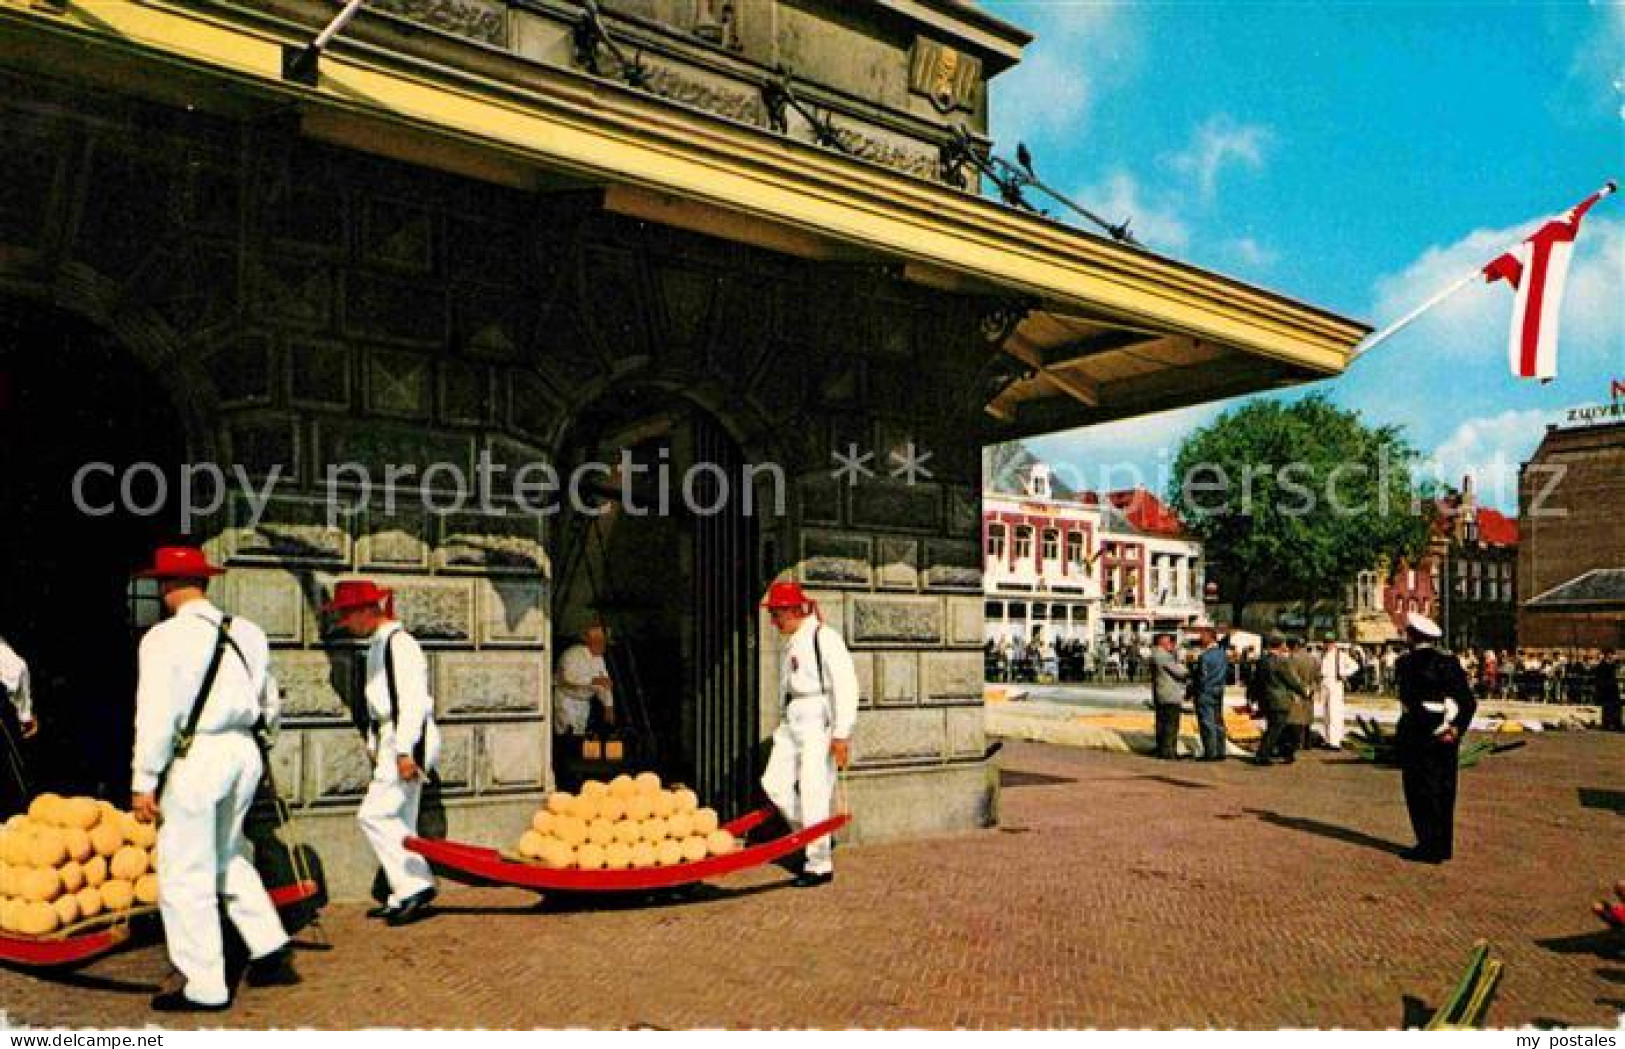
[(1293, 500)]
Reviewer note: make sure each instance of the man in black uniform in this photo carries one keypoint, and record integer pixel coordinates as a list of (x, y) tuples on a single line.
[(1605, 692), (1438, 706)]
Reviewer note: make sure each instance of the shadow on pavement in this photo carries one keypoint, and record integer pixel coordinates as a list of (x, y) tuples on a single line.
[(1174, 781), (1015, 778), (1328, 830), (1611, 800), (1604, 943)]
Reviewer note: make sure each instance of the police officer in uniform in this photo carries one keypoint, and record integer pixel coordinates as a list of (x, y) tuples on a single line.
[(402, 738), (205, 687), (1438, 707), (819, 693)]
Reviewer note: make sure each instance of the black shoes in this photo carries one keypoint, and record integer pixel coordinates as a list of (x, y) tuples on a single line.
[(176, 1002), (274, 970), (1421, 856), (383, 910), (411, 909), (809, 880)]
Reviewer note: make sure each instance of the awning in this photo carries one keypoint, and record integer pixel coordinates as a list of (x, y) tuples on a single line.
[(1101, 330), (1599, 590)]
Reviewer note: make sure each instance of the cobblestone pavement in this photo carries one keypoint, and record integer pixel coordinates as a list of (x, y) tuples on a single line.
[(1118, 892)]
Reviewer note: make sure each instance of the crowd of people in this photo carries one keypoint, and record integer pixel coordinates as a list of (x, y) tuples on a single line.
[(1040, 660)]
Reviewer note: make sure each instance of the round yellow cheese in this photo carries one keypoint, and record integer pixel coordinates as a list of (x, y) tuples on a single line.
[(557, 854), (590, 857), (90, 902), (561, 804), (530, 845), (141, 835), (117, 895), (41, 884), (80, 813), (106, 838), (640, 807), (669, 853), (705, 821), (570, 830), (685, 800), (612, 807), (594, 789), (693, 849), (48, 849), (617, 856), (72, 875), (146, 889), (67, 909), (37, 919), (622, 786), (627, 832), (720, 843), (665, 803), (643, 854), (43, 809), (78, 844), (95, 870), (600, 832), (542, 822), (652, 830), (647, 783), (680, 826), (129, 863)]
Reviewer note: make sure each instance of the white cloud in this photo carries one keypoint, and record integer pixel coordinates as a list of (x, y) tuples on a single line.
[(1489, 449), (1153, 219), (1080, 50), (1123, 454), (1217, 144), (1596, 73), (1252, 253), (1473, 322)]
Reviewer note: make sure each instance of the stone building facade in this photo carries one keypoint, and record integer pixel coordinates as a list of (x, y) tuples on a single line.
[(481, 236)]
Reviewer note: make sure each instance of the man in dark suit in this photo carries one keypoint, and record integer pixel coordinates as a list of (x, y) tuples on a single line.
[(1274, 689), (1438, 707), (1605, 692), (1306, 669)]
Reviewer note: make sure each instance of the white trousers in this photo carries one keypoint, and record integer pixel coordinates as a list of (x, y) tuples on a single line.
[(204, 860), (800, 775), (389, 813), (1333, 691)]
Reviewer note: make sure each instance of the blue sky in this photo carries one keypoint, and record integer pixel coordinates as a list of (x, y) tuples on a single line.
[(1357, 156)]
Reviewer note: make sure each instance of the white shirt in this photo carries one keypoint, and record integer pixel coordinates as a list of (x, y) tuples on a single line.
[(798, 673), (577, 668), (14, 676), (1336, 665), (174, 658), (414, 719)]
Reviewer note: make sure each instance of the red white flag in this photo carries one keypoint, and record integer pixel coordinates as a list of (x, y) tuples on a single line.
[(1537, 269)]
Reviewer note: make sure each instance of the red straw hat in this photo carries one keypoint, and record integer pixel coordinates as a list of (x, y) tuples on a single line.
[(179, 562), (786, 595), (351, 594)]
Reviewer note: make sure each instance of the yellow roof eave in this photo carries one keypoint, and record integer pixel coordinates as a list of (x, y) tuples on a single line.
[(600, 130)]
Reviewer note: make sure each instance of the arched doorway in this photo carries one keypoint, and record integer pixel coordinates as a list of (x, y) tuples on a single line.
[(71, 395), (670, 566)]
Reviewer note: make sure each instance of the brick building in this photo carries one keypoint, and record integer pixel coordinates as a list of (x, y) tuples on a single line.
[(1571, 498), (485, 236)]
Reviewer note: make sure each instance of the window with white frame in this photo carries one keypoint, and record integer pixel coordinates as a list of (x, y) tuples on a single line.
[(1024, 542), (1052, 544), (995, 541)]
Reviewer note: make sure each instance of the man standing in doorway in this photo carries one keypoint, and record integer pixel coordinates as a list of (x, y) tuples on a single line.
[(1437, 709), (818, 690), (1168, 677), (1212, 674), (583, 694), (403, 740), (205, 688)]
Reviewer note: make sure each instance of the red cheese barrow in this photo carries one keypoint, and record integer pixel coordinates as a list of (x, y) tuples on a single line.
[(490, 867), (86, 940)]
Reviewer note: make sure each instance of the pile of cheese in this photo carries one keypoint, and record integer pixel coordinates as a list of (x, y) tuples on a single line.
[(628, 822), (70, 859)]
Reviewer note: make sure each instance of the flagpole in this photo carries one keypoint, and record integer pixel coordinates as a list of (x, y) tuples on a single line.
[(1373, 341)]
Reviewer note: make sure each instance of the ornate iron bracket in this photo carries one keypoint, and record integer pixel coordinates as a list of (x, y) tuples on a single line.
[(589, 35), (1012, 180), (779, 96), (1000, 370)]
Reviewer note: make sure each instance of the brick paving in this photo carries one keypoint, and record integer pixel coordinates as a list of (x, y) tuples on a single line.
[(1118, 892)]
